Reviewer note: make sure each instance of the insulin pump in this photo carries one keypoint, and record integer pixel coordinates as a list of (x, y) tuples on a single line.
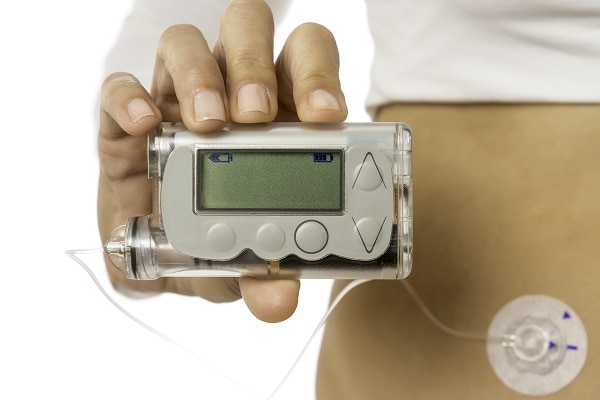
[(278, 200)]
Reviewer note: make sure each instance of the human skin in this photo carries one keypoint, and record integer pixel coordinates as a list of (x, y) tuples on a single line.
[(236, 81), (505, 205)]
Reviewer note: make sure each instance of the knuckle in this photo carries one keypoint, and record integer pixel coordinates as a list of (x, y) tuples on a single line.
[(114, 85), (245, 8), (245, 20), (314, 31), (311, 49), (118, 80), (119, 162), (182, 47), (248, 60), (177, 31)]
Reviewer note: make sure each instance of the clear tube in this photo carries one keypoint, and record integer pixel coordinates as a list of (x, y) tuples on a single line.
[(527, 343)]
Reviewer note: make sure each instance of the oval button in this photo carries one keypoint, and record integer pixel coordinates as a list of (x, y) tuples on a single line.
[(311, 237), (221, 237), (270, 237)]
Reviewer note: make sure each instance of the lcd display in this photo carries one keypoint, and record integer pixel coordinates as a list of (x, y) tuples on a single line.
[(269, 181)]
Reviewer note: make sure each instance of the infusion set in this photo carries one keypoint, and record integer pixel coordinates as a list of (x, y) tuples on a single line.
[(279, 200)]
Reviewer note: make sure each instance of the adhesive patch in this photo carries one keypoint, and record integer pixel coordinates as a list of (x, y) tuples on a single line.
[(537, 345)]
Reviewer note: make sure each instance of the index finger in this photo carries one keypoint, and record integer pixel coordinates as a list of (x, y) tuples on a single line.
[(187, 83)]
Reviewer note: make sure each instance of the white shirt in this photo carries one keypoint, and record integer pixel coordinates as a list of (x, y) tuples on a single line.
[(429, 50), (485, 50)]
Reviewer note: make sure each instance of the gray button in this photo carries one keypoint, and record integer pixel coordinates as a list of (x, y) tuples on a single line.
[(220, 237), (311, 237), (367, 231), (270, 237), (367, 175)]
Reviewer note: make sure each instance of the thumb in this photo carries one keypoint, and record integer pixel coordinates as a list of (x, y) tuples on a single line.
[(270, 300)]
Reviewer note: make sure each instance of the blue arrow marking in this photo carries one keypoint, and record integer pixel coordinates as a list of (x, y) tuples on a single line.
[(552, 345), (566, 315), (572, 347), (221, 157)]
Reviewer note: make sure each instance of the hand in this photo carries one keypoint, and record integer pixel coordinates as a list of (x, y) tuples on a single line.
[(238, 81)]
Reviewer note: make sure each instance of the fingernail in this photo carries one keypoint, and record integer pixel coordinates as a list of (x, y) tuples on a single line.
[(320, 100), (138, 109), (253, 98), (209, 105)]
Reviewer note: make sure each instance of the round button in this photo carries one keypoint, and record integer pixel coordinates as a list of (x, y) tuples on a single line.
[(220, 237), (367, 175), (311, 237), (270, 237)]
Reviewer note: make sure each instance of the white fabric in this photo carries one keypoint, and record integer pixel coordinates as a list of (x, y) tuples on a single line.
[(485, 50), (429, 50)]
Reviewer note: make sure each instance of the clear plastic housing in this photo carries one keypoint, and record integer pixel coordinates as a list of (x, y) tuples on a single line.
[(142, 250)]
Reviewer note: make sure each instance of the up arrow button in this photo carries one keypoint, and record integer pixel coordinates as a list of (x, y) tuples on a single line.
[(367, 175)]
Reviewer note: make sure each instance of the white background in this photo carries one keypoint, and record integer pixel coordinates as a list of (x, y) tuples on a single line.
[(60, 338)]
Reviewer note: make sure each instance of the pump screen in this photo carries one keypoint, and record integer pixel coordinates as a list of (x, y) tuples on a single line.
[(269, 181)]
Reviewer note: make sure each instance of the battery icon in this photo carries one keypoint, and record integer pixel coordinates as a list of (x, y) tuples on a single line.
[(221, 157), (323, 157)]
